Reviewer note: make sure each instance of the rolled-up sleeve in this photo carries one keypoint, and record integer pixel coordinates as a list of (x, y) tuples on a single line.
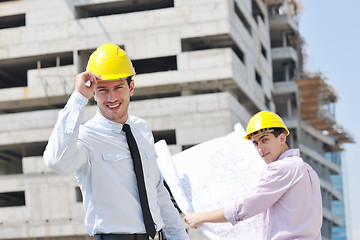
[(272, 185)]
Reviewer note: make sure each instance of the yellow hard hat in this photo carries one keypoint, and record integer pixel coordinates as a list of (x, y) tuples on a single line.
[(262, 121), (111, 62)]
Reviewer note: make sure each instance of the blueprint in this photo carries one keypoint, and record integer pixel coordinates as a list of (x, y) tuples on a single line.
[(212, 174)]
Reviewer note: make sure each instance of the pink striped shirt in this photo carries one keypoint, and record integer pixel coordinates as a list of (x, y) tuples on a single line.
[(288, 194)]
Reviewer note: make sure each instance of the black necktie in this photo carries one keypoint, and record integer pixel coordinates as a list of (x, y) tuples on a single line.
[(148, 220)]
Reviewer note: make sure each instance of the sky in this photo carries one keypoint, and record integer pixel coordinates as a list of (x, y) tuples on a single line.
[(331, 30)]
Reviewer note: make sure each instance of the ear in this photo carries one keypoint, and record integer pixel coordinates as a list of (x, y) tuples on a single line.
[(132, 87), (282, 137)]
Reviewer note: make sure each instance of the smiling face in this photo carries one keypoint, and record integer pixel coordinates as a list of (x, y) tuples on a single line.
[(113, 98), (270, 147)]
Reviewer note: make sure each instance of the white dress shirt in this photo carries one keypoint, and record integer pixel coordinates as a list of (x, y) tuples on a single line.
[(289, 195), (98, 153)]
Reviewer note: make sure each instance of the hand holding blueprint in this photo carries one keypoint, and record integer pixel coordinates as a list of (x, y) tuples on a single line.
[(212, 174)]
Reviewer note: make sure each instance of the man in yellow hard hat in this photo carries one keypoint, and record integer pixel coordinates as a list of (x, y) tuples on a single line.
[(288, 193), (112, 155)]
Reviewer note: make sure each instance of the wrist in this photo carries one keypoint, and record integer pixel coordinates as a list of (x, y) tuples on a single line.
[(78, 99)]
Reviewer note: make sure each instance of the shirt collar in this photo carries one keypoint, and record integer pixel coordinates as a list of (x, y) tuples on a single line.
[(290, 153), (106, 123)]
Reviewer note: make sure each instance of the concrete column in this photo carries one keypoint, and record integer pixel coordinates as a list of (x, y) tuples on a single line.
[(286, 72), (289, 107), (284, 40)]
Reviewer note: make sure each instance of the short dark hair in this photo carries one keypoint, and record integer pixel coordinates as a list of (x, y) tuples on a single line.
[(129, 79), (278, 131)]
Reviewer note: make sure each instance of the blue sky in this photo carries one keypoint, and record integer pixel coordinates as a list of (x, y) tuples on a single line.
[(332, 40)]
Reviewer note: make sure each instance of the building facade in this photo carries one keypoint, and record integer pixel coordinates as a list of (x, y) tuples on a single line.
[(202, 66), (339, 207), (307, 104)]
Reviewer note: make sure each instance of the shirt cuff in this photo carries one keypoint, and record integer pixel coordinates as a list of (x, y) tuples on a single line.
[(230, 213), (71, 113), (77, 100), (179, 236)]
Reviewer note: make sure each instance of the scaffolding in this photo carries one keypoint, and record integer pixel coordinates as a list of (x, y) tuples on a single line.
[(316, 97)]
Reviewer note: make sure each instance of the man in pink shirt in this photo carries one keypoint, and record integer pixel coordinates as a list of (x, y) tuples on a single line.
[(288, 193)]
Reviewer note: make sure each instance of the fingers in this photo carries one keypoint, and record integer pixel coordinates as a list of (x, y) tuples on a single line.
[(191, 220), (85, 83), (89, 78)]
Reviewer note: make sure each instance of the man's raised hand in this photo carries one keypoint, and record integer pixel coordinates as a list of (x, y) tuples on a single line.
[(85, 83)]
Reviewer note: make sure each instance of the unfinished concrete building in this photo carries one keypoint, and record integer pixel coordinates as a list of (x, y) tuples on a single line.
[(202, 66)]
